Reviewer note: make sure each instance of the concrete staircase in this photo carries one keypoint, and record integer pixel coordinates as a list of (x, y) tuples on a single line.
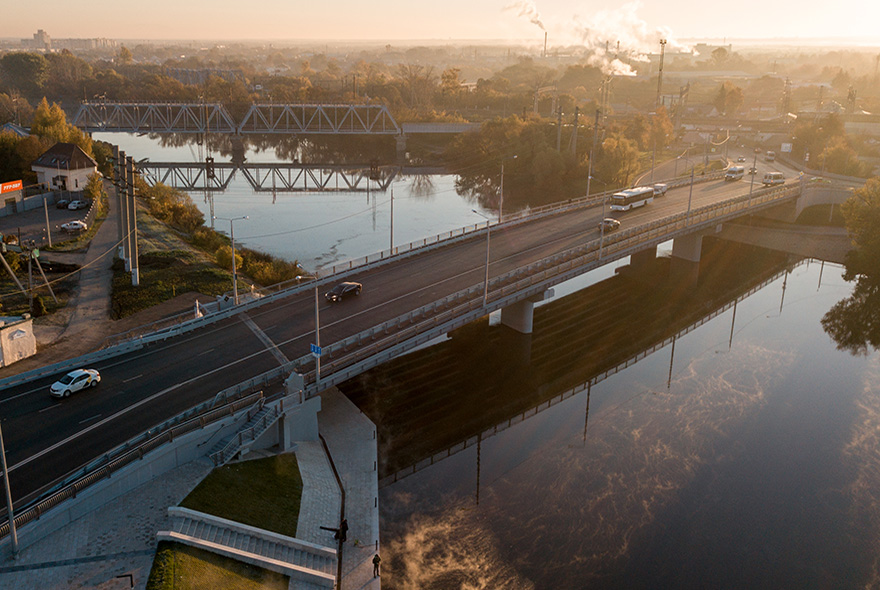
[(260, 419), (309, 566)]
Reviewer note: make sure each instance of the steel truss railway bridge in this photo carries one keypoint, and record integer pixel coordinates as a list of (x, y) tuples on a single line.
[(260, 119), (268, 177)]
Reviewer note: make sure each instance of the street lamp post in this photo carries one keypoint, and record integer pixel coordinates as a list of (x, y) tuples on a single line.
[(486, 282), (690, 196), (501, 188), (232, 239)]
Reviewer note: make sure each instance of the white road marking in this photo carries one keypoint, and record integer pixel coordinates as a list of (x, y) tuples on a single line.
[(133, 378), (49, 408), (206, 352), (87, 420)]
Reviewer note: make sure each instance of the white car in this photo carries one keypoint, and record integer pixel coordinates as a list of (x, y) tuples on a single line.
[(74, 205), (74, 226), (74, 381)]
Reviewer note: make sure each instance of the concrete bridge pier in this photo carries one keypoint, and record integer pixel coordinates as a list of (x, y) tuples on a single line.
[(643, 258), (685, 264), (401, 147), (519, 316)]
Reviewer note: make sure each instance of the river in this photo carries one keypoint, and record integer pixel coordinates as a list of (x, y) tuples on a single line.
[(647, 435)]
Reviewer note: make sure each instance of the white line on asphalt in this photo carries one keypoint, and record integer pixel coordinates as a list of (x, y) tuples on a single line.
[(132, 378), (49, 408), (206, 352), (130, 408), (87, 420)]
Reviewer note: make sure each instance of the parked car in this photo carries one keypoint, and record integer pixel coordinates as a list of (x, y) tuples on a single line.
[(75, 381), (609, 224), (62, 203), (74, 205), (660, 189), (74, 226), (343, 290)]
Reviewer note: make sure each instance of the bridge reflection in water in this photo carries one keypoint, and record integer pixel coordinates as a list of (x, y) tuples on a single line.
[(433, 403)]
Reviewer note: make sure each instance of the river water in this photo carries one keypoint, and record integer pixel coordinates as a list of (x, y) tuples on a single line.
[(645, 436), (320, 228)]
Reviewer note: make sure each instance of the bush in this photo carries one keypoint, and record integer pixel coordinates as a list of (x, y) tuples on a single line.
[(39, 306)]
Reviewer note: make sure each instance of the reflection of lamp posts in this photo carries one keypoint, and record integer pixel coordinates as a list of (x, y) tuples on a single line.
[(501, 190), (486, 284), (232, 238)]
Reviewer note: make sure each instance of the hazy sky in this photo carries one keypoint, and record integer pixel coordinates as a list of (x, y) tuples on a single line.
[(566, 21)]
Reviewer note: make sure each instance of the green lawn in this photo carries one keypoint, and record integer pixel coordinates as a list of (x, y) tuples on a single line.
[(181, 567), (264, 493)]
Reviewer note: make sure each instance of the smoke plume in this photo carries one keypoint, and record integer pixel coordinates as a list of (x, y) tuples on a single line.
[(527, 9)]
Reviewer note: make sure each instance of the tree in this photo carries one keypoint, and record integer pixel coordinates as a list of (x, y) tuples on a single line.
[(25, 72), (729, 99), (617, 160), (854, 322), (720, 55), (124, 56), (50, 122), (94, 189)]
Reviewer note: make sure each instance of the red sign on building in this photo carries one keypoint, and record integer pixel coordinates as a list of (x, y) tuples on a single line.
[(8, 187)]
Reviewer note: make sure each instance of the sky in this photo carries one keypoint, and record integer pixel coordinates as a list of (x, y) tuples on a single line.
[(640, 22)]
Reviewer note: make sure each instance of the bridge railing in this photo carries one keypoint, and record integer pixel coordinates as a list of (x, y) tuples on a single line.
[(125, 454)]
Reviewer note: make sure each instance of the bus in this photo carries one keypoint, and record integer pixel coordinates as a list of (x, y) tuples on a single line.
[(734, 173), (631, 198), (771, 156)]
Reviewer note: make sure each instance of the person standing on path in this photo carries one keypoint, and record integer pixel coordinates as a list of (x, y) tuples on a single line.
[(343, 530), (376, 561)]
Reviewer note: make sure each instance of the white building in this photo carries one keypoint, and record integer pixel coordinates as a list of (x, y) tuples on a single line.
[(64, 166), (16, 339)]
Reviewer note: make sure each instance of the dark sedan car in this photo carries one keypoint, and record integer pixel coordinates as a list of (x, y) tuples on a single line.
[(343, 290)]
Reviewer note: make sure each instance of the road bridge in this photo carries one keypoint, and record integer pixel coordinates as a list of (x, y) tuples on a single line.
[(412, 294)]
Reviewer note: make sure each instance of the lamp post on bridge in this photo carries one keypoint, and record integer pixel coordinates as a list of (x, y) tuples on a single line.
[(486, 282), (501, 188), (232, 238)]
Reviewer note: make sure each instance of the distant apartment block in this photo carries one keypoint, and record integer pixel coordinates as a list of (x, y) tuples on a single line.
[(43, 42)]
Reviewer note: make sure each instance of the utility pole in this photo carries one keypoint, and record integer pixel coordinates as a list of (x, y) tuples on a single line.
[(132, 208), (48, 228), (660, 74), (121, 195), (558, 129), (593, 151), (574, 133)]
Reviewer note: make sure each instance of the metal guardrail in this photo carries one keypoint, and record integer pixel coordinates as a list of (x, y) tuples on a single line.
[(126, 454), (184, 322), (249, 433)]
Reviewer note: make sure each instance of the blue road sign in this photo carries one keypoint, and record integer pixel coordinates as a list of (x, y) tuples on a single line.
[(316, 350)]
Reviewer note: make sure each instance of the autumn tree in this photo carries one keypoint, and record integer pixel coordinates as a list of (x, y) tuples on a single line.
[(854, 322), (50, 122), (729, 99), (24, 72)]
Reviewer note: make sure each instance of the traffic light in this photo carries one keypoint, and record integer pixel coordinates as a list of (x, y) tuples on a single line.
[(374, 170), (209, 167)]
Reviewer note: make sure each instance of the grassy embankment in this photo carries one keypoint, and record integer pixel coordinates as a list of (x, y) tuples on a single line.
[(178, 254), (264, 493)]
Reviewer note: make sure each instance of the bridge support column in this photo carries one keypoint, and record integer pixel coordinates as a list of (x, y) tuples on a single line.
[(401, 147), (643, 257), (685, 263), (300, 422), (518, 316)]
